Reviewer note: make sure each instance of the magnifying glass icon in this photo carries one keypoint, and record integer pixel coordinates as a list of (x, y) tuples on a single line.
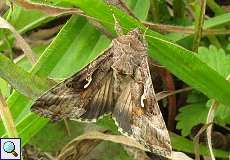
[(9, 147)]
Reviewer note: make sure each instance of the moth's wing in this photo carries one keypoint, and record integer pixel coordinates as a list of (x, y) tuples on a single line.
[(143, 122), (80, 97)]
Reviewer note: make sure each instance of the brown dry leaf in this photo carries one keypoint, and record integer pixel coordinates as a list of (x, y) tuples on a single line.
[(51, 10), (81, 146), (164, 94), (79, 150), (19, 40), (136, 154), (180, 156)]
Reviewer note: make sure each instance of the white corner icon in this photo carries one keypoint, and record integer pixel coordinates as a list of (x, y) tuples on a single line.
[(10, 149)]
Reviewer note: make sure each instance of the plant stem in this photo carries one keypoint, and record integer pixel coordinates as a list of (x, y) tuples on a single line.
[(7, 118), (215, 7), (178, 9), (181, 29), (155, 10), (199, 26)]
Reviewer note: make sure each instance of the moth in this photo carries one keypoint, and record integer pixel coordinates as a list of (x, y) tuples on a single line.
[(118, 83)]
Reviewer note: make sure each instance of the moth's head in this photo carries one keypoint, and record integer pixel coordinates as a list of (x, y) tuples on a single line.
[(136, 34), (133, 39)]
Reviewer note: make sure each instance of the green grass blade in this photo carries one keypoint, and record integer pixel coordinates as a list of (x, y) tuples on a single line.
[(22, 81)]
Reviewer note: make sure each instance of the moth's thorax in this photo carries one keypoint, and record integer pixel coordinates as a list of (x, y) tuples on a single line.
[(129, 52), (131, 43)]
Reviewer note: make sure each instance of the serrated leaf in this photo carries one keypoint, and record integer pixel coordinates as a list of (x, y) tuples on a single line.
[(196, 97), (190, 116), (216, 59)]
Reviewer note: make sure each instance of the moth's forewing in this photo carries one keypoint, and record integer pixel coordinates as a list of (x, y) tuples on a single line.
[(83, 96), (136, 111)]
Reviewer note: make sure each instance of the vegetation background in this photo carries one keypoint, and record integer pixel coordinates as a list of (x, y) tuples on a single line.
[(187, 39)]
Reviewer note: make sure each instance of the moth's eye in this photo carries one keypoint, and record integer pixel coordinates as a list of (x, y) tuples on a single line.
[(69, 85)]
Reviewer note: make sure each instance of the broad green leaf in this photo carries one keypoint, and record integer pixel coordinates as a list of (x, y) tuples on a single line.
[(24, 20), (4, 88), (222, 114), (141, 9), (54, 136), (182, 144), (115, 151), (196, 97), (24, 63), (187, 120), (220, 20)]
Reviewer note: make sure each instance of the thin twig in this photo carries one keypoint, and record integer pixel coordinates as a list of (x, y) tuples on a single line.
[(67, 127), (199, 26), (180, 29), (22, 43), (196, 140), (7, 118), (51, 10), (210, 118), (154, 8), (164, 94), (126, 8)]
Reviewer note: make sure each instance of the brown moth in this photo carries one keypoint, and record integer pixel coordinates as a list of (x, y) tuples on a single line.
[(118, 83)]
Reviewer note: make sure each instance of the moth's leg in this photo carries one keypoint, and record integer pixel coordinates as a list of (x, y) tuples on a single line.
[(117, 26), (144, 39), (116, 83)]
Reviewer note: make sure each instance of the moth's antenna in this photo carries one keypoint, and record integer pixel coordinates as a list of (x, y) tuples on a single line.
[(145, 31), (144, 39), (117, 26)]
